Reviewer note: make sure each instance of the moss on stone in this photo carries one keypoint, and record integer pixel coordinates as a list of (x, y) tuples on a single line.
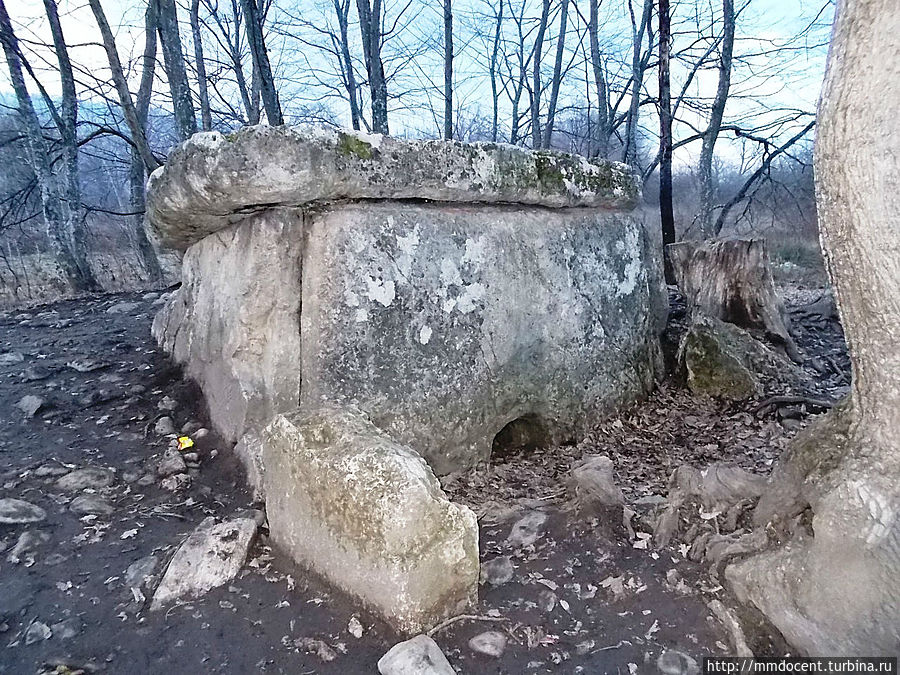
[(349, 145)]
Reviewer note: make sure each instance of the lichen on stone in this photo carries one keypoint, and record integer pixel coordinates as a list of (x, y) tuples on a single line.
[(349, 145)]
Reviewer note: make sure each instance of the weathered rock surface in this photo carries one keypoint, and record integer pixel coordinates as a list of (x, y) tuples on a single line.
[(30, 404), (211, 556), (14, 511), (594, 483), (81, 479), (417, 656), (490, 643), (368, 514), (213, 180)]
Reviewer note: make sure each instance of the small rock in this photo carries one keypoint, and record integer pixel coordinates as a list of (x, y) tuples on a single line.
[(497, 571), (24, 549), (171, 463), (146, 480), (191, 457), (526, 530), (67, 629), (140, 572), (175, 483), (15, 511), (164, 426), (417, 656), (37, 632), (136, 390), (594, 483), (316, 646), (122, 308), (82, 479), (51, 471), (354, 627), (88, 504), (30, 404), (211, 556), (200, 433), (189, 427), (35, 373), (672, 662), (86, 365), (11, 358), (546, 600), (490, 643), (167, 403)]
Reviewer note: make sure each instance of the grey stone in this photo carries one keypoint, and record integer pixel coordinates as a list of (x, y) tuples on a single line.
[(674, 662), (82, 479), (37, 631), (249, 451), (88, 504), (176, 482), (14, 511), (141, 572), (417, 656), (164, 426), (526, 530), (51, 471), (211, 556), (594, 483), (210, 179), (11, 358), (167, 403), (30, 404), (170, 463), (497, 571), (67, 628), (490, 643), (123, 308), (26, 546), (369, 515)]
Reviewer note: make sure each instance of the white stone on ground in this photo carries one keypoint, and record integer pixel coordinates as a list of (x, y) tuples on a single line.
[(417, 656)]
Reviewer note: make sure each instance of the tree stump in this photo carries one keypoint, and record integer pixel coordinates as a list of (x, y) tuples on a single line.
[(731, 280)]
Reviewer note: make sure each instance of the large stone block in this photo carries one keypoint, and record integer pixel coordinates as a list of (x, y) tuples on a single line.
[(369, 515)]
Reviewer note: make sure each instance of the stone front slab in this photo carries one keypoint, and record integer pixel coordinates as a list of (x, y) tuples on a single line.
[(368, 514)]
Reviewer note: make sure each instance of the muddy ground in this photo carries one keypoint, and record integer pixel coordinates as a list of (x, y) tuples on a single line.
[(583, 597)]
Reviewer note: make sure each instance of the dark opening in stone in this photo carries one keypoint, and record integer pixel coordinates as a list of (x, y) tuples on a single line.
[(523, 435)]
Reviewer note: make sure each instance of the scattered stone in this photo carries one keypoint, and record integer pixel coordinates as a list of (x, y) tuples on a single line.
[(123, 308), (25, 547), (86, 365), (527, 529), (354, 627), (51, 471), (140, 573), (211, 556), (15, 511), (167, 403), (83, 479), (497, 571), (11, 358), (345, 499), (200, 434), (316, 646), (417, 656), (490, 643), (146, 480), (35, 373), (191, 457), (37, 632), (164, 426), (176, 483), (673, 662), (88, 504), (30, 404), (546, 600), (67, 629), (170, 464), (594, 484)]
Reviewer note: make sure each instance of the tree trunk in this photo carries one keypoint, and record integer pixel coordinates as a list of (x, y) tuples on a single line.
[(173, 58), (630, 151), (448, 70), (557, 74), (732, 281), (838, 591), (205, 113), (602, 133), (39, 157), (666, 209), (495, 95), (536, 76), (342, 10), (711, 135), (370, 31), (262, 67)]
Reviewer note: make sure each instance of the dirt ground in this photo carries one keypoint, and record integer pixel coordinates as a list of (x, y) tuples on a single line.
[(583, 598)]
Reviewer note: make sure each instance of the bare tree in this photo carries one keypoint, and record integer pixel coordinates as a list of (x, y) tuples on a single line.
[(638, 66), (448, 70), (370, 15), (536, 75), (200, 65), (666, 209), (261, 66), (494, 65), (556, 82), (603, 113), (342, 11), (176, 74)]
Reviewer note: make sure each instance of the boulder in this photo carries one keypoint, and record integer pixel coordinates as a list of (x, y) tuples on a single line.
[(211, 556), (16, 511), (368, 514)]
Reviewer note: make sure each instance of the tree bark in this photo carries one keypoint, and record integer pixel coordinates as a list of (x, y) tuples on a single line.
[(837, 591), (342, 10), (536, 76), (262, 67), (200, 64), (639, 29), (557, 73), (666, 209), (39, 156), (173, 58), (711, 135), (370, 31), (495, 51), (601, 146), (448, 70)]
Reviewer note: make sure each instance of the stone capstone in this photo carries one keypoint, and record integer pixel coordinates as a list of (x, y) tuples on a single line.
[(368, 514)]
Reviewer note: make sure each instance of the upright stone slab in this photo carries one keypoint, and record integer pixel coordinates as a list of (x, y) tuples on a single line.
[(446, 290), (369, 515)]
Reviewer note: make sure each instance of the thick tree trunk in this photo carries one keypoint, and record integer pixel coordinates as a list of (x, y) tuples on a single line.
[(536, 76), (342, 10), (557, 73), (173, 58), (666, 209), (448, 70), (837, 592), (711, 135), (732, 281), (495, 51), (370, 31), (639, 29), (601, 146), (200, 64), (261, 66)]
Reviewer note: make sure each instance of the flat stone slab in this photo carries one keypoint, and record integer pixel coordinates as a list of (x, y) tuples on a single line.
[(368, 514), (15, 511), (212, 555), (214, 180)]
